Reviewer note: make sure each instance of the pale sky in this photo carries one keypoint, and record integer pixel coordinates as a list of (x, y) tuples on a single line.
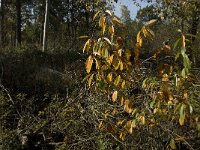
[(131, 6)]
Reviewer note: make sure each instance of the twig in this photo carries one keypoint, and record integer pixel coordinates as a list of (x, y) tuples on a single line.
[(8, 94)]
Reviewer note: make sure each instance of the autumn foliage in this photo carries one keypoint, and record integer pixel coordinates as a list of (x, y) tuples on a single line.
[(161, 98)]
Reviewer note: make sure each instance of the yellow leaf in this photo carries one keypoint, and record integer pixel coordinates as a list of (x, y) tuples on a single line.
[(96, 14), (88, 64), (121, 65), (127, 107), (98, 65), (114, 96), (123, 84), (143, 120), (139, 39), (115, 62), (119, 123), (129, 126), (83, 37), (109, 77), (111, 30), (122, 136), (90, 79), (183, 41), (110, 59), (182, 115), (120, 52), (122, 101), (151, 22), (117, 80), (102, 23), (86, 46)]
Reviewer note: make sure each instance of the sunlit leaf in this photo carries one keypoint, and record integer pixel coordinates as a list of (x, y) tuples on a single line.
[(83, 37), (129, 126), (102, 23), (122, 101), (143, 120), (88, 64), (182, 115), (109, 77), (121, 65), (86, 46), (139, 39), (122, 136), (127, 107), (111, 30), (183, 41), (98, 65), (114, 96), (190, 108), (110, 59), (151, 22), (108, 12), (108, 41), (96, 14)]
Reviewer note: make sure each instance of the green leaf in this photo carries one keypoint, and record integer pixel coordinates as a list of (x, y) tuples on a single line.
[(183, 73), (190, 108), (85, 78), (177, 55), (176, 44), (172, 144), (90, 79)]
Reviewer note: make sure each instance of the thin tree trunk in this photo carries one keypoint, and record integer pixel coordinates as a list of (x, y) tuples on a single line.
[(18, 23), (193, 30), (46, 22)]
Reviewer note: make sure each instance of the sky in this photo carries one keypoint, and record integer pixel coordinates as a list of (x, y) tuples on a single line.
[(131, 6)]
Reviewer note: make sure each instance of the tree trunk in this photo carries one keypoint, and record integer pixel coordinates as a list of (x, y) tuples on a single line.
[(18, 23), (46, 22), (193, 30), (2, 24)]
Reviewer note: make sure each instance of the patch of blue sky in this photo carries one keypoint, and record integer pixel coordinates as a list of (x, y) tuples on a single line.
[(131, 7)]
